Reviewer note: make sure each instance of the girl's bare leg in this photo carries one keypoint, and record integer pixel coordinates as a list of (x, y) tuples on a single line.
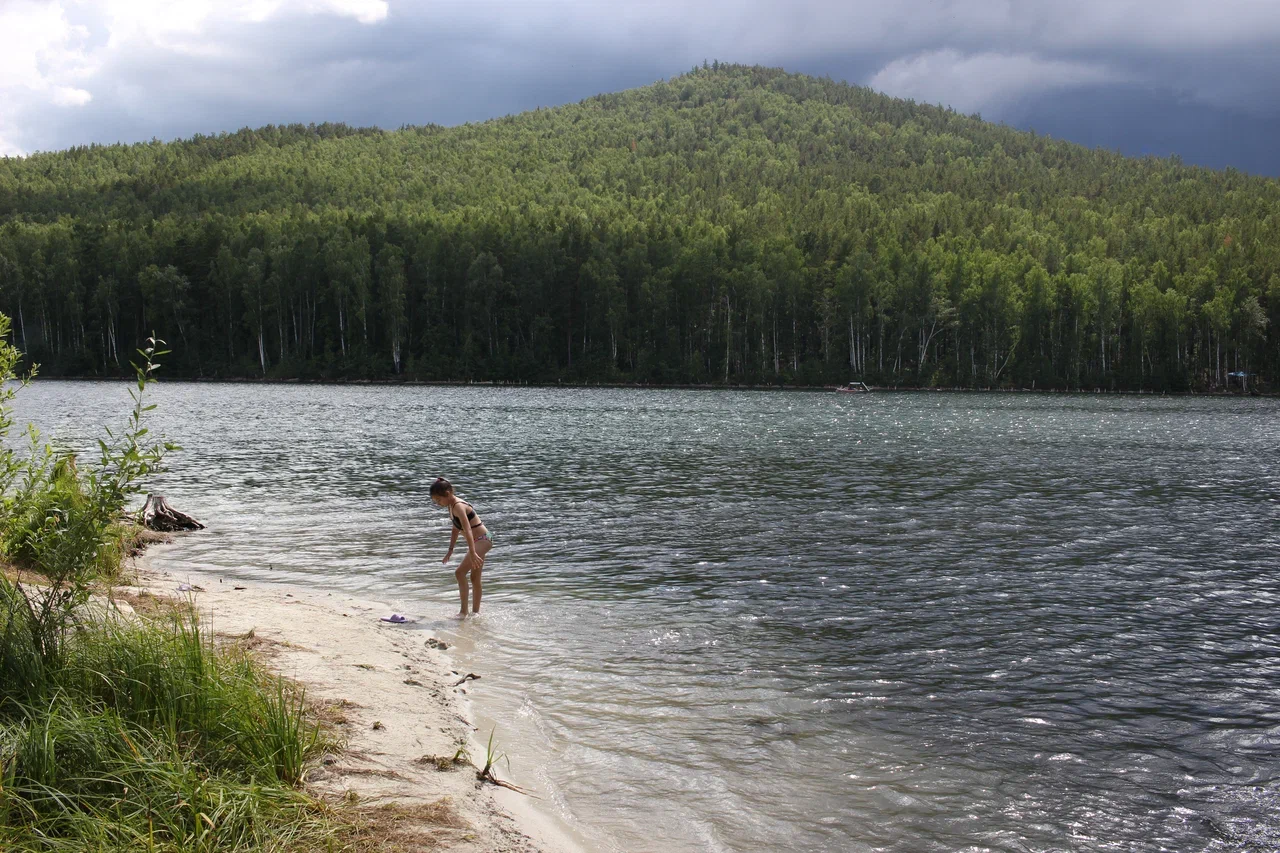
[(475, 586), (477, 568), (461, 574)]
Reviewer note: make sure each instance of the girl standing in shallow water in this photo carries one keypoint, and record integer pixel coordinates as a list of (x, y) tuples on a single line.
[(473, 530)]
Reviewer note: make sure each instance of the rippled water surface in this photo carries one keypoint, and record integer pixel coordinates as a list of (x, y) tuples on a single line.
[(756, 621)]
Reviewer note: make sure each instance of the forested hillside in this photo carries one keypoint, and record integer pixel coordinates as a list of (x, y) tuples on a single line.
[(732, 225)]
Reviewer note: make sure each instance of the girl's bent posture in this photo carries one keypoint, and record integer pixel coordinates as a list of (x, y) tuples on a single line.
[(473, 530)]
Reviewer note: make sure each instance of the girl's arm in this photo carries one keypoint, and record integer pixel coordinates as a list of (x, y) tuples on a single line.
[(453, 538)]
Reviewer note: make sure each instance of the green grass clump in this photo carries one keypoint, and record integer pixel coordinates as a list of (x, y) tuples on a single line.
[(147, 737)]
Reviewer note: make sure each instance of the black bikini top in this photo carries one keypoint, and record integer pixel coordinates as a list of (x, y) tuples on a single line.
[(471, 516)]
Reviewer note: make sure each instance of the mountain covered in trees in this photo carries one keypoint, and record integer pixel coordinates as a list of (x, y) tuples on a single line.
[(731, 225)]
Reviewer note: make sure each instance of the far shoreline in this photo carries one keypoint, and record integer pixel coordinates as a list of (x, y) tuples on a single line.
[(644, 386)]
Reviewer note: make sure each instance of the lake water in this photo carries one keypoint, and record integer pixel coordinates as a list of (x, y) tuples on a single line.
[(741, 621)]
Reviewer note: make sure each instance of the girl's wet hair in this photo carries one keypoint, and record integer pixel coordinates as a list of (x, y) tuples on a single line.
[(441, 487)]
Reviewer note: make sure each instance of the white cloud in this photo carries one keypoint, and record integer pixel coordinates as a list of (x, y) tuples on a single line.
[(29, 32), (53, 53), (364, 11), (68, 96), (40, 55), (973, 83), (158, 20)]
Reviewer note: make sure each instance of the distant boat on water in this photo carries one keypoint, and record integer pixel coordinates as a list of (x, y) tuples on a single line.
[(854, 388)]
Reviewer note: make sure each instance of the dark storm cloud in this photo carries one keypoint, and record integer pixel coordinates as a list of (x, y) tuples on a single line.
[(1195, 78), (322, 69), (1140, 122)]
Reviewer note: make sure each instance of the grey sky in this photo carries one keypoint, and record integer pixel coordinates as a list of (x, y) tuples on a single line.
[(1193, 77)]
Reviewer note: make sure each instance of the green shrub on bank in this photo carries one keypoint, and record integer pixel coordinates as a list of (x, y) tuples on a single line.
[(64, 522), (123, 734), (52, 495)]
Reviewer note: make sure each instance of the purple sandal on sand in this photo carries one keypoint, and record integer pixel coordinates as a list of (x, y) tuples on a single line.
[(396, 618)]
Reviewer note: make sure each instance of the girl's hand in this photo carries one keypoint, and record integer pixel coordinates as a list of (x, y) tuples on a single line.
[(447, 556)]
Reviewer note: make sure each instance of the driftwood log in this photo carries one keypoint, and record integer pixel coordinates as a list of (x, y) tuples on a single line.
[(156, 514)]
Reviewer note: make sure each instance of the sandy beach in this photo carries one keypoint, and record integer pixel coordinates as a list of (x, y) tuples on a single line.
[(395, 699)]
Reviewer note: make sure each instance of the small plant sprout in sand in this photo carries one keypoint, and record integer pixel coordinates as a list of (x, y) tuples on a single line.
[(492, 757)]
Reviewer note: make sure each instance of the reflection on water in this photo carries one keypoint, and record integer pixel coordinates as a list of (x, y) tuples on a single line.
[(755, 621)]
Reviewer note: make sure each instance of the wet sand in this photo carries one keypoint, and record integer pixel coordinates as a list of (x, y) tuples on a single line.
[(393, 698)]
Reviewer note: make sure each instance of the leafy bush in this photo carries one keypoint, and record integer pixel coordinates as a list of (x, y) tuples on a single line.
[(66, 523), (118, 733)]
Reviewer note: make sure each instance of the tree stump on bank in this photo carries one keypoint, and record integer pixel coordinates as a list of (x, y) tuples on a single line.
[(156, 514)]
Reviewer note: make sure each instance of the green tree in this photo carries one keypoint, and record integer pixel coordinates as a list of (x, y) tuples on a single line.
[(394, 298)]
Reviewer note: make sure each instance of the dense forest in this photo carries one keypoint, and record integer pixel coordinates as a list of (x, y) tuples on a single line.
[(731, 225)]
